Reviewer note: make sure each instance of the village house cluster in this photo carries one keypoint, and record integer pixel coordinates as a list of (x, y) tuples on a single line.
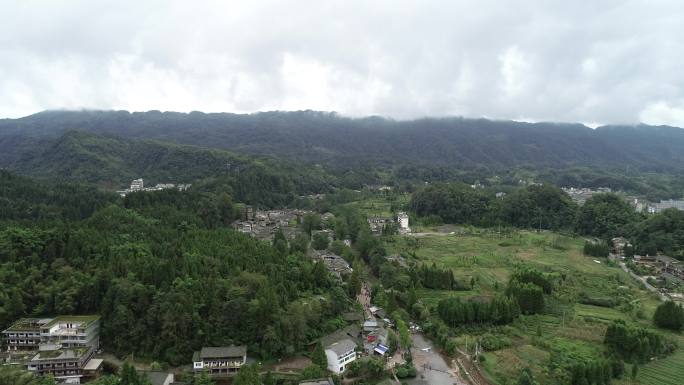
[(664, 205), (663, 268), (263, 224), (378, 223), (62, 346), (139, 185), (335, 264), (362, 337), (581, 195)]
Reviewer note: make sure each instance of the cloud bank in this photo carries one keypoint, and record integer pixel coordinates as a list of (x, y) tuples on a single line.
[(604, 61)]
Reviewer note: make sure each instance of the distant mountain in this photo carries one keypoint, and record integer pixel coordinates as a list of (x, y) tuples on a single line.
[(331, 139)]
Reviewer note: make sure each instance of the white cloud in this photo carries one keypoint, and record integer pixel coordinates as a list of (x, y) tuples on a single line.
[(514, 70), (537, 59), (663, 113)]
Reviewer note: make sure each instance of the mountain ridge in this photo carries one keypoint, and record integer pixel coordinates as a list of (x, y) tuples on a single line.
[(328, 138)]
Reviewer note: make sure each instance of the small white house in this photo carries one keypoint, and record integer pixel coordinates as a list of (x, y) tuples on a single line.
[(403, 221), (340, 354)]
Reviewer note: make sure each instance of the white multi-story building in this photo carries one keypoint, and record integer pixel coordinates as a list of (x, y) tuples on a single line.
[(668, 204), (137, 185), (340, 354), (63, 331), (219, 361), (64, 345), (403, 221)]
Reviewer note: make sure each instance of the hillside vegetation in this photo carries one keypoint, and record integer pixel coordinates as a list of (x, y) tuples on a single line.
[(327, 137)]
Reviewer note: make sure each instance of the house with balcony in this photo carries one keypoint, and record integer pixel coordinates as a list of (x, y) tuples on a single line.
[(65, 364), (72, 331), (219, 361), (62, 346), (340, 354), (24, 335)]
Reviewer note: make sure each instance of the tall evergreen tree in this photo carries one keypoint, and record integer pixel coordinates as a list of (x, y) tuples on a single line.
[(318, 356)]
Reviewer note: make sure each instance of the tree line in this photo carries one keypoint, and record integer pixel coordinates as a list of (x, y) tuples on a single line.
[(498, 311), (547, 207)]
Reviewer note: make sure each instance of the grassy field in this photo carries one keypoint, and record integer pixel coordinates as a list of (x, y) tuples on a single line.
[(566, 328), (379, 206)]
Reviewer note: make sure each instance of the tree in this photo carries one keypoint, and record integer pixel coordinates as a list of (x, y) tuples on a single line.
[(203, 379), (15, 376), (635, 371), (248, 375), (526, 378), (392, 341), (300, 244), (269, 379), (404, 334), (530, 297), (605, 216), (312, 372), (669, 315), (311, 222), (355, 282), (320, 241), (129, 376), (318, 356)]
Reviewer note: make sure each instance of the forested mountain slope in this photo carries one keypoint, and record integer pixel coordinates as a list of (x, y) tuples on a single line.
[(328, 138), (112, 162)]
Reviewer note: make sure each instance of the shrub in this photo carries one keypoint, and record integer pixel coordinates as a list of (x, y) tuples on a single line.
[(669, 315)]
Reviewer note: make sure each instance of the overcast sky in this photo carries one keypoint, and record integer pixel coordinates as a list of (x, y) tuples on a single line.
[(585, 61)]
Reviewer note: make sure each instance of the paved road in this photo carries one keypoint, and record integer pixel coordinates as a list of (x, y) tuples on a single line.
[(431, 366), (647, 285)]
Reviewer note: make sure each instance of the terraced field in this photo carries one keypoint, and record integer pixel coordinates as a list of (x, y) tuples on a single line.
[(668, 371)]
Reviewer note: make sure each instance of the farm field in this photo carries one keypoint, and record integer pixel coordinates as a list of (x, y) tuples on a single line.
[(668, 371), (566, 327), (379, 206)]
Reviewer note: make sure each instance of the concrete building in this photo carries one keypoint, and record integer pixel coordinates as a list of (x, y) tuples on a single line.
[(324, 381), (24, 335), (137, 185), (340, 354), (158, 377), (370, 325), (376, 224), (64, 331), (68, 365), (403, 221), (64, 344), (72, 331), (664, 205), (219, 361), (619, 244)]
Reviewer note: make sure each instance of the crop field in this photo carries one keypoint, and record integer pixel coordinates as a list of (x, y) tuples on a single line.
[(490, 258), (668, 371), (566, 327)]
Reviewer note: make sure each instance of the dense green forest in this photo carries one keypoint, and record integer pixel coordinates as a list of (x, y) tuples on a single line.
[(161, 268), (643, 159), (320, 136)]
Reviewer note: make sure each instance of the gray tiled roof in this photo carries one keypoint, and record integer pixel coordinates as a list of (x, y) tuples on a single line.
[(157, 378), (342, 347), (223, 351)]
